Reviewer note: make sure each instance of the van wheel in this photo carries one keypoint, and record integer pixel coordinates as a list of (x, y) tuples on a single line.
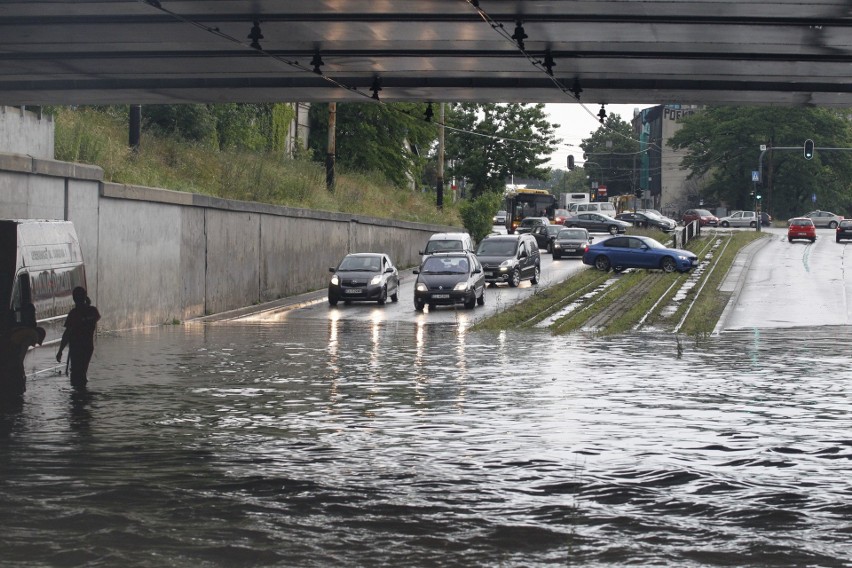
[(602, 263), (668, 264), (516, 278), (536, 275)]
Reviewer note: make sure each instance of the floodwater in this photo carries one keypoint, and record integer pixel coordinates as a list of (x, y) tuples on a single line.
[(316, 443)]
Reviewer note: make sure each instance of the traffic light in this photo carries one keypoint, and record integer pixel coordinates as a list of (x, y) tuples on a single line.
[(639, 193), (570, 162), (809, 149)]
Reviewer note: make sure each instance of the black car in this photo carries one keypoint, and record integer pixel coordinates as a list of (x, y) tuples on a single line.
[(510, 259), (544, 235), (364, 277), (449, 278), (648, 220), (571, 242), (843, 231), (529, 223)]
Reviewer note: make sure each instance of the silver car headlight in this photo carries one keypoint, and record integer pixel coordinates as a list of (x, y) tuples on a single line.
[(335, 280), (377, 279), (421, 287)]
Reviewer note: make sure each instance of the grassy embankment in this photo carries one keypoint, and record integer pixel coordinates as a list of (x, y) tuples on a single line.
[(654, 303), (92, 137)]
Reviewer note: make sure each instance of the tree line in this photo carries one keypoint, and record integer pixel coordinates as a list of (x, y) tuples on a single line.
[(488, 144)]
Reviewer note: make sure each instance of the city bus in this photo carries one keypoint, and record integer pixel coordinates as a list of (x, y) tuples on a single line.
[(520, 203)]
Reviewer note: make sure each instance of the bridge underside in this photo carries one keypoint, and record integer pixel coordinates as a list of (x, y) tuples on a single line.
[(603, 51)]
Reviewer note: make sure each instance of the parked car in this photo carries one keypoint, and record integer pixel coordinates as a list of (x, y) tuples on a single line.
[(509, 259), (597, 223), (633, 251), (571, 242), (544, 235), (500, 218), (364, 276), (560, 215), (648, 220), (449, 278), (801, 228), (446, 242), (824, 219), (703, 216), (739, 219), (528, 223), (844, 230)]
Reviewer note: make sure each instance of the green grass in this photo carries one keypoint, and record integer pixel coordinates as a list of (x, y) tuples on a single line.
[(701, 320), (94, 137)]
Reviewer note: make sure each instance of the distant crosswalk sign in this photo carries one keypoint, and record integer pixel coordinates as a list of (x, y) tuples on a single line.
[(755, 175)]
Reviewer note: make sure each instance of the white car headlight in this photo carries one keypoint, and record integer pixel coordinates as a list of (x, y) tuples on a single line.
[(421, 287), (376, 280), (460, 287), (335, 280)]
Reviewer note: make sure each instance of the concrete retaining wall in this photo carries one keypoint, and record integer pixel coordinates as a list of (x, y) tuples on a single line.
[(154, 255), (25, 132)]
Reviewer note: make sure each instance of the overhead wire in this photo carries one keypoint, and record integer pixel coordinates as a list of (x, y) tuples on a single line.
[(373, 97)]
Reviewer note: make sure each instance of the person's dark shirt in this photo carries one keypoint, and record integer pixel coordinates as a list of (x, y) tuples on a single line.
[(80, 325)]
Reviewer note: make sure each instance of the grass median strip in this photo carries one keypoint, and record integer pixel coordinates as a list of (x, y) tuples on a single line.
[(634, 297)]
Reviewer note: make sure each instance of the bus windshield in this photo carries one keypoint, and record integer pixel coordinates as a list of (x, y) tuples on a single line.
[(524, 203)]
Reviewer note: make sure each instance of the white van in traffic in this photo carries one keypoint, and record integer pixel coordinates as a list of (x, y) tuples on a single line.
[(602, 207), (447, 242)]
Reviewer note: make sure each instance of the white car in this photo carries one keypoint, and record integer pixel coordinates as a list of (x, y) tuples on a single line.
[(739, 219)]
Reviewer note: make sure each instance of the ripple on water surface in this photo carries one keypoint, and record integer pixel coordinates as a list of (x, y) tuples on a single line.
[(390, 444)]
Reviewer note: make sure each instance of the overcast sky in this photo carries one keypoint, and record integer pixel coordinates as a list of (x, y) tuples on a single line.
[(576, 123)]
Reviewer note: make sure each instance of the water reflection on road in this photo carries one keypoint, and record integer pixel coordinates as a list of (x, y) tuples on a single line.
[(377, 442)]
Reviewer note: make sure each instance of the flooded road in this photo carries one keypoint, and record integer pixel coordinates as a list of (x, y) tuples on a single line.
[(359, 442), (369, 435)]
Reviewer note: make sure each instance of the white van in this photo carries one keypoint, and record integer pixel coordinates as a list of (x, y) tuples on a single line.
[(602, 207), (447, 242)]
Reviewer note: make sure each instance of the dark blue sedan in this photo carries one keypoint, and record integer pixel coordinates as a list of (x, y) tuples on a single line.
[(632, 251)]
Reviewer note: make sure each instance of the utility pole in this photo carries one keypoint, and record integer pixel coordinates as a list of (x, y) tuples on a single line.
[(331, 150), (135, 120), (440, 186)]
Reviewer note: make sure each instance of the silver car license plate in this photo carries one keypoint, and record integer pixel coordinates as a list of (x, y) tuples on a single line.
[(354, 291)]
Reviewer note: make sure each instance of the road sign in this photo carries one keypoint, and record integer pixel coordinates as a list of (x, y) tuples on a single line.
[(755, 175)]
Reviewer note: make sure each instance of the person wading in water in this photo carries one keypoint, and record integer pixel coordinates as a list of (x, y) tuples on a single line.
[(79, 336)]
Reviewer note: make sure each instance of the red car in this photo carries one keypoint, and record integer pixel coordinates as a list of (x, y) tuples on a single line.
[(801, 228), (703, 217)]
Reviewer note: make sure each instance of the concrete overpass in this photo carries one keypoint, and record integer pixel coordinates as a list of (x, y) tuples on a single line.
[(780, 52)]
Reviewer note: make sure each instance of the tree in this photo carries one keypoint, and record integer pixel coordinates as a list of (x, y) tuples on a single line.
[(393, 139), (490, 143), (569, 181), (723, 143), (610, 156)]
